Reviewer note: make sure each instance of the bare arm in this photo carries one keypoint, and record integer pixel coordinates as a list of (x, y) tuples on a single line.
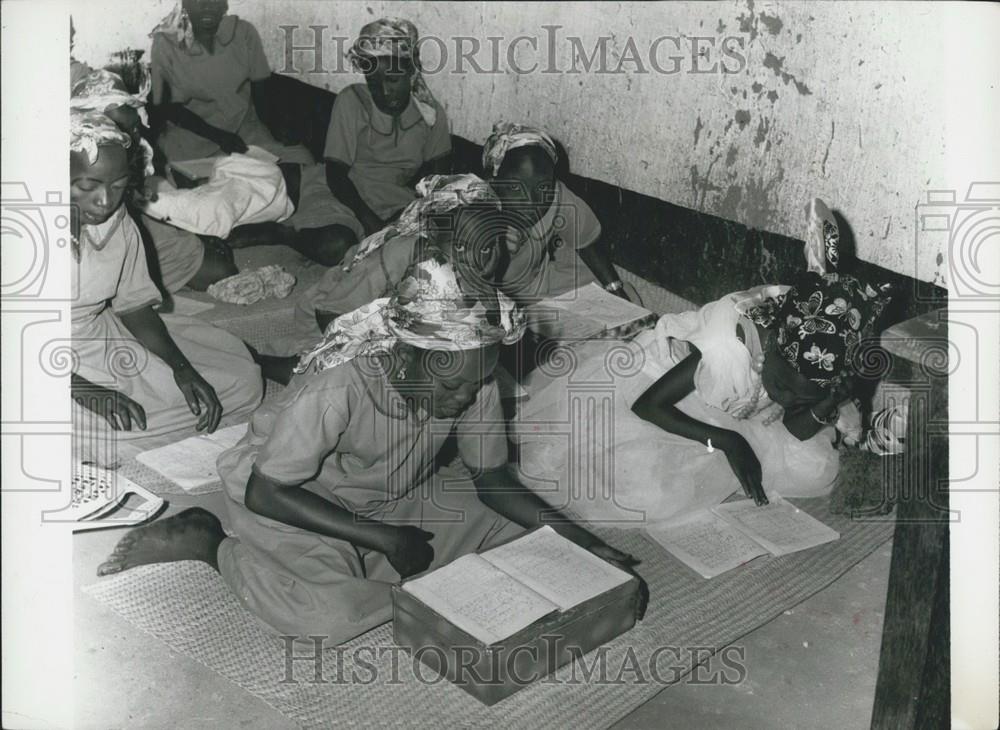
[(168, 111), (596, 257), (406, 547), (147, 327), (345, 191), (658, 405)]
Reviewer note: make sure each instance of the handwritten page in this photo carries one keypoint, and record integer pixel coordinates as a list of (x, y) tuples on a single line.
[(706, 543), (480, 599), (556, 568), (780, 527), (584, 313), (191, 463)]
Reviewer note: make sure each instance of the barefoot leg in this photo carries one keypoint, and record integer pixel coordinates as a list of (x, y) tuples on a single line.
[(194, 534)]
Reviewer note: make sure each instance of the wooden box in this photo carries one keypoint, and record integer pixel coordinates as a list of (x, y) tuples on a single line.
[(493, 672)]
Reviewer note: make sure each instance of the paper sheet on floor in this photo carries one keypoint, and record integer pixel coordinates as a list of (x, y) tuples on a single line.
[(191, 463)]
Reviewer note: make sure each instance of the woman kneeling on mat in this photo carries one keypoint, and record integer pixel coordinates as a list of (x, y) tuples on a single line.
[(136, 377), (334, 494)]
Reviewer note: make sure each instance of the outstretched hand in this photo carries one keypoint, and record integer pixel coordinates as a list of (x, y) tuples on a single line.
[(230, 143), (745, 465)]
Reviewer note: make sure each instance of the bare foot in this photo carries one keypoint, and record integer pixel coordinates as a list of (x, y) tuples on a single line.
[(194, 534)]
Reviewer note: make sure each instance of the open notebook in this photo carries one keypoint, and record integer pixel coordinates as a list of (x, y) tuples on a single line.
[(714, 541), (96, 496), (495, 594), (191, 463), (586, 312)]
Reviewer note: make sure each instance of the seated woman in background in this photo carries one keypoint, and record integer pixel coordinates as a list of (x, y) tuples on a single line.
[(455, 216), (137, 378), (744, 393), (210, 76), (555, 245), (179, 258), (334, 496), (385, 134)]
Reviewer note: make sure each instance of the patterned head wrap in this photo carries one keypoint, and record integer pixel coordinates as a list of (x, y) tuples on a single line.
[(177, 26), (90, 130), (429, 310), (102, 91), (507, 136), (436, 194), (820, 322), (395, 37)]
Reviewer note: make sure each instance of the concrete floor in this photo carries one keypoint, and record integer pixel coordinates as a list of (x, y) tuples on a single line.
[(813, 667)]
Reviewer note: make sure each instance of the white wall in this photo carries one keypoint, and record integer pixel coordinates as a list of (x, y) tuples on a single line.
[(846, 101)]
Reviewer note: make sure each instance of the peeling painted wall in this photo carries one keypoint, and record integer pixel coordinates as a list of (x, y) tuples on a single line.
[(830, 100)]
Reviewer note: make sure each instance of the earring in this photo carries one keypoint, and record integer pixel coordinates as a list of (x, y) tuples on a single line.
[(401, 375)]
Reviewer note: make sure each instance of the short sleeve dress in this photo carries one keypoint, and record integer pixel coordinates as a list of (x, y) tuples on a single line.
[(344, 433), (112, 279)]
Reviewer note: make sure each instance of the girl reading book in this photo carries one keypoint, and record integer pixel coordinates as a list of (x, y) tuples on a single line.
[(335, 493)]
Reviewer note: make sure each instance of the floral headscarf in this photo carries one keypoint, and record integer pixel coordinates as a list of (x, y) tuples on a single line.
[(436, 194), (428, 310), (177, 26), (507, 136), (101, 91), (395, 37), (820, 322), (90, 130)]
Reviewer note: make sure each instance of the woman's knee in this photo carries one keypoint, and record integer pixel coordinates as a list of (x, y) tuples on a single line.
[(326, 245)]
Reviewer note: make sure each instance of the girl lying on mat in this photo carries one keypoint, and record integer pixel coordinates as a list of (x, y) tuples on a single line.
[(456, 216), (334, 494), (136, 377), (747, 392), (181, 257)]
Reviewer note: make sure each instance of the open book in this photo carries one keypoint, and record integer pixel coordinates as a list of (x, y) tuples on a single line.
[(191, 463), (96, 496), (586, 312), (716, 540), (495, 594)]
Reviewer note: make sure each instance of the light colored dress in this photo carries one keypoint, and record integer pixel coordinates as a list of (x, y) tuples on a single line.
[(111, 279), (548, 263), (217, 87), (383, 151), (582, 448), (345, 434)]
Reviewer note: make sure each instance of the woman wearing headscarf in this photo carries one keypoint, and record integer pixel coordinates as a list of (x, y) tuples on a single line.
[(179, 258), (334, 496), (138, 379), (745, 392), (385, 134), (455, 215), (210, 75), (555, 245)]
